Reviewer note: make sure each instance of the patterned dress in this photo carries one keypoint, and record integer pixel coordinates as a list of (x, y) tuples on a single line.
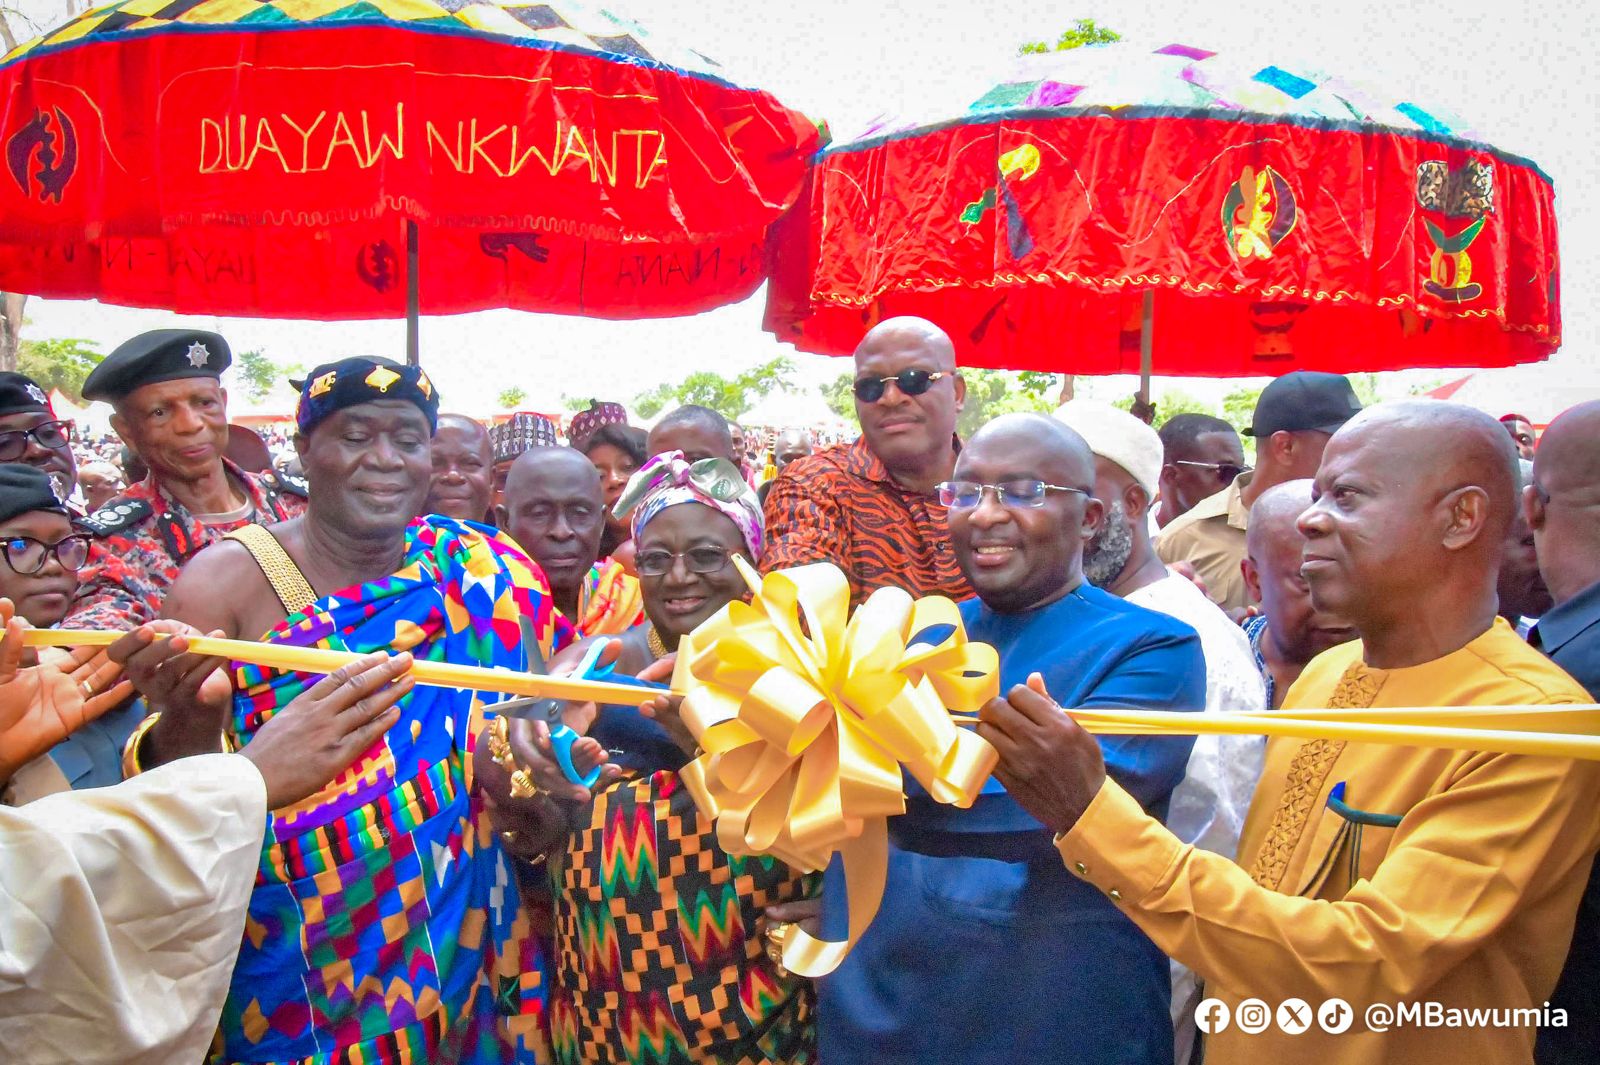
[(385, 925), (660, 954)]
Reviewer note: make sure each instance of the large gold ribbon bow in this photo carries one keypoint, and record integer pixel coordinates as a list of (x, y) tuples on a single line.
[(805, 729)]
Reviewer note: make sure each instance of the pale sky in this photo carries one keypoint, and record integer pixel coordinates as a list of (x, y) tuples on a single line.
[(1521, 73)]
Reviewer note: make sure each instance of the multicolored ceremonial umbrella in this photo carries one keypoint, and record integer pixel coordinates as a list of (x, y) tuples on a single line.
[(281, 158), (1110, 206)]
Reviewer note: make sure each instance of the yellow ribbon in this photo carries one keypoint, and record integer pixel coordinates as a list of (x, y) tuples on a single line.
[(806, 718)]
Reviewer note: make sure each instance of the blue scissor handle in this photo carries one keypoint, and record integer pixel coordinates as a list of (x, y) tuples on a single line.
[(589, 669), (562, 737), (561, 740)]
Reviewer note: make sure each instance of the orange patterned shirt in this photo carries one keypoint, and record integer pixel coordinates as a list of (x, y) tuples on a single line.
[(841, 506)]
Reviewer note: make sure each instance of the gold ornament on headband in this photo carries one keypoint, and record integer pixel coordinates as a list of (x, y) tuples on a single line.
[(805, 730)]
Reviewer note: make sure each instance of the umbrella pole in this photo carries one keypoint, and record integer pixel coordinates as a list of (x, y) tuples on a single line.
[(1147, 328), (413, 355)]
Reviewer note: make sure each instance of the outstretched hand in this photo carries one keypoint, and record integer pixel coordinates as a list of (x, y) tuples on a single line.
[(666, 708), (324, 729), (1050, 765), (43, 704)]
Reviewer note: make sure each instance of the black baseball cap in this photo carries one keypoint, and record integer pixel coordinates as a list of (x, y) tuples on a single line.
[(1302, 401)]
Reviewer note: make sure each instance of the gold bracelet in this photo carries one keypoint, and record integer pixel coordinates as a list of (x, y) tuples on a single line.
[(130, 750), (131, 766)]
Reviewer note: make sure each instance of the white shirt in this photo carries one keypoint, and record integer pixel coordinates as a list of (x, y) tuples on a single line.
[(121, 913), (1209, 805)]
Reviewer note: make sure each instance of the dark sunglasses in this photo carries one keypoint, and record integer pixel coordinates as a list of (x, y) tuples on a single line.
[(14, 442), (1226, 472), (24, 554), (698, 559), (910, 382)]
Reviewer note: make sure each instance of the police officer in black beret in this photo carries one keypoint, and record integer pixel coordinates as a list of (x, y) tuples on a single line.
[(40, 556), (31, 433), (172, 411)]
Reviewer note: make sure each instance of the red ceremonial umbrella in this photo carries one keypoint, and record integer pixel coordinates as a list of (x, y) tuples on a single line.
[(291, 158), (1229, 218)]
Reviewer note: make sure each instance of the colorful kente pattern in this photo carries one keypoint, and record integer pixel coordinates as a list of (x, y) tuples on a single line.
[(567, 24), (386, 924), (660, 958)]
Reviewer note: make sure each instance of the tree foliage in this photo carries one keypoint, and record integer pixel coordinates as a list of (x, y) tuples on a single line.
[(256, 373), (59, 364), (1169, 405), (512, 397), (1080, 33), (728, 396)]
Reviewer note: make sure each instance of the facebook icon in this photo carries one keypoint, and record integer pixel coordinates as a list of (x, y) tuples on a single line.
[(1211, 1016)]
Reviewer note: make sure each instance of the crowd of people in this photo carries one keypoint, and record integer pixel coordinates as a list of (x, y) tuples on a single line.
[(210, 860)]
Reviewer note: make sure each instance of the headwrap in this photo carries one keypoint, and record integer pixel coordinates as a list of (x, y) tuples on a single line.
[(521, 432), (334, 386), (667, 480), (585, 422), (26, 488)]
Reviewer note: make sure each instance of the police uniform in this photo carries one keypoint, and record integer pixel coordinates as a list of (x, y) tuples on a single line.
[(144, 536)]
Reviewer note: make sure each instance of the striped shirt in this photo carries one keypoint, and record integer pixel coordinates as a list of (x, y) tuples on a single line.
[(840, 505)]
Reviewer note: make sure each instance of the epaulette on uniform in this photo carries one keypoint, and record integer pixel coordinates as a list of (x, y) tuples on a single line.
[(295, 486), (115, 517)]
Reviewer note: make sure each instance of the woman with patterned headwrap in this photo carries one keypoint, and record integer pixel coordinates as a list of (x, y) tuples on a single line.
[(661, 955)]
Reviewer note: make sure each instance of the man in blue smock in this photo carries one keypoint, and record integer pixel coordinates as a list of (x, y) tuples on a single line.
[(987, 949)]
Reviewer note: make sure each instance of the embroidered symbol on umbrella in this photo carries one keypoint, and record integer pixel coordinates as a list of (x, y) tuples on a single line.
[(1019, 164), (1258, 213), (499, 245), (1466, 192), (57, 160), (376, 264)]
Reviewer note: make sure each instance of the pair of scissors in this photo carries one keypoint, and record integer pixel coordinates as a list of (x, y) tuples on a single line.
[(562, 736)]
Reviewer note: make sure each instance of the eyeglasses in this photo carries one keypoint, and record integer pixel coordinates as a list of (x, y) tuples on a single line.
[(24, 554), (1226, 472), (910, 382), (14, 442), (964, 495), (698, 559)]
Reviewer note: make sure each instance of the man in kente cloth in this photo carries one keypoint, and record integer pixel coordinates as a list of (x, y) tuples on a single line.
[(385, 924)]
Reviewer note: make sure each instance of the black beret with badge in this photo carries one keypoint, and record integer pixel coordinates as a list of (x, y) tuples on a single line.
[(156, 356), (335, 386), (26, 488), (21, 394)]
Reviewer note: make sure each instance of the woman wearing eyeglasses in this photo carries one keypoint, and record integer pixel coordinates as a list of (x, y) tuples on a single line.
[(659, 934), (40, 555)]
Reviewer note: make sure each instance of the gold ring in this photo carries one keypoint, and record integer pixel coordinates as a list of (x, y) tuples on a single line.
[(500, 743), (509, 837), (522, 785), (776, 932)]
